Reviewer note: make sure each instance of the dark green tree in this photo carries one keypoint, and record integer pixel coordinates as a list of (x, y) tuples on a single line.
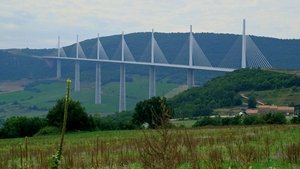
[(274, 118), (20, 126), (78, 119), (251, 102), (154, 111)]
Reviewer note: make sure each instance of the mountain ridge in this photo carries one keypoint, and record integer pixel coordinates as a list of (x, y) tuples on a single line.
[(281, 53)]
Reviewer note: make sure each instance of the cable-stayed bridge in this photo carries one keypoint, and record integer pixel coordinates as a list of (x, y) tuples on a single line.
[(191, 57)]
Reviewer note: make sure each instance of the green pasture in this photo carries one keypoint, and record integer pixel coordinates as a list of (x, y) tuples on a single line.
[(42, 96), (288, 96)]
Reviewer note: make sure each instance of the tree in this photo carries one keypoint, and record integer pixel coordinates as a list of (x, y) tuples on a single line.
[(20, 126), (154, 111), (274, 118), (251, 102), (77, 117)]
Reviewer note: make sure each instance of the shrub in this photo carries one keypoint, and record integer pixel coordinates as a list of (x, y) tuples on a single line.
[(19, 126), (295, 120), (251, 120), (236, 120), (117, 121), (206, 120), (274, 118)]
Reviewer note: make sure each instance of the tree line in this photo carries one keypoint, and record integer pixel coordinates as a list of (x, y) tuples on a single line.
[(147, 111)]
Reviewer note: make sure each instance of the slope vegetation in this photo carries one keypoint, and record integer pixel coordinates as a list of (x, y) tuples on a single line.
[(224, 91)]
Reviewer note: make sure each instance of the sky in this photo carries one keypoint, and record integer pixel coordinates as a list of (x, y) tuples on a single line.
[(38, 23)]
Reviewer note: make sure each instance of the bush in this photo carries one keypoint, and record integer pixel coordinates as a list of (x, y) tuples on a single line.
[(117, 121), (274, 118), (22, 126), (236, 120), (295, 120), (251, 120), (206, 120)]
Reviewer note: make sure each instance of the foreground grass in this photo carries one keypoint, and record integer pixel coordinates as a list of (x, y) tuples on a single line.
[(223, 147)]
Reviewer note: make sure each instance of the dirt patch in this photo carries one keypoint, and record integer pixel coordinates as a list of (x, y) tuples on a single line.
[(13, 86)]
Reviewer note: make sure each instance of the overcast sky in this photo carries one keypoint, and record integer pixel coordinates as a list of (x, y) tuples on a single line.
[(37, 23)]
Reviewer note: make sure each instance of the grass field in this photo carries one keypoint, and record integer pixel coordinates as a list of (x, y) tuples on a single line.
[(256, 147), (39, 98), (287, 96)]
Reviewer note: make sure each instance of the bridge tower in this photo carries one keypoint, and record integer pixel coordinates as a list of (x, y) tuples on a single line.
[(152, 70), (244, 60), (122, 95), (98, 76), (77, 69), (190, 72), (58, 61)]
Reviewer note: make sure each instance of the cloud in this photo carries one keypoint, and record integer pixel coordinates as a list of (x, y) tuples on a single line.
[(36, 23)]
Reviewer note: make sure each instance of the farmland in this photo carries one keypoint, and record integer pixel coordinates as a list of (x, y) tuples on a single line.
[(38, 97), (258, 147)]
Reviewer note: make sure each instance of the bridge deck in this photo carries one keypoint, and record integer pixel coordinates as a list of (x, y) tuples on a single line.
[(219, 69)]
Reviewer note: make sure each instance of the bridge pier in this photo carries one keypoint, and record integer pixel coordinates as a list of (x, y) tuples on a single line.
[(98, 84), (152, 81), (77, 77), (190, 78), (77, 70), (58, 69), (122, 95), (152, 70), (190, 72)]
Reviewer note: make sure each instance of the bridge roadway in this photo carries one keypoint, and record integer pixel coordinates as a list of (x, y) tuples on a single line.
[(142, 63)]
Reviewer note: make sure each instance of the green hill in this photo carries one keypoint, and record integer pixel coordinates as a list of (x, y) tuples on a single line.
[(225, 91), (16, 63)]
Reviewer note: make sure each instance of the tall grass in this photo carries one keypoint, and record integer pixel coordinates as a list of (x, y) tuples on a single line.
[(223, 147)]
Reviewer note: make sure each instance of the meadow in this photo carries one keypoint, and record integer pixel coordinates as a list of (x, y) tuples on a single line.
[(38, 97), (255, 147)]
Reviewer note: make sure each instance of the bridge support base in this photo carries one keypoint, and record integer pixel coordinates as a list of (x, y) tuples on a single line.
[(152, 81), (122, 95), (190, 78), (98, 84), (77, 76)]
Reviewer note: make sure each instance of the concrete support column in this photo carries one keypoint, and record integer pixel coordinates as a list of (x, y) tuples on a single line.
[(190, 72), (152, 81), (77, 76), (77, 69), (190, 78), (152, 70), (98, 84), (122, 96)]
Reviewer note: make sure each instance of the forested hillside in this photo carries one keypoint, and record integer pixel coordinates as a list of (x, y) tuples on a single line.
[(16, 63), (224, 91)]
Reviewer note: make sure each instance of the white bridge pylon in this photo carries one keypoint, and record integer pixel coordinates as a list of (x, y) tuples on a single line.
[(123, 56)]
